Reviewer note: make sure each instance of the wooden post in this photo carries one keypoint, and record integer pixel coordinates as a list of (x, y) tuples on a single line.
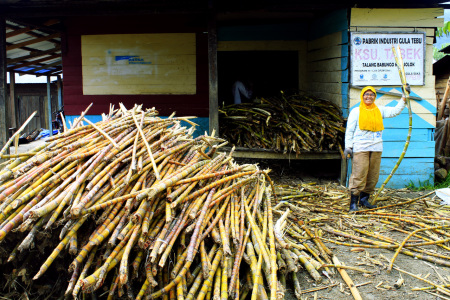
[(59, 85), (212, 62), (49, 107), (444, 101), (14, 113), (344, 166), (4, 107)]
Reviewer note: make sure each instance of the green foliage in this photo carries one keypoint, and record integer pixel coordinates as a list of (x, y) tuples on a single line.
[(444, 30), (438, 55), (427, 185)]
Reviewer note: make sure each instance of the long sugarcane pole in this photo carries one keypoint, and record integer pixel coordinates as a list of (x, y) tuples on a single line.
[(401, 72)]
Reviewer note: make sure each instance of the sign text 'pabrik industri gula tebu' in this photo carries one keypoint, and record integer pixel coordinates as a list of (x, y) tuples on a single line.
[(373, 63)]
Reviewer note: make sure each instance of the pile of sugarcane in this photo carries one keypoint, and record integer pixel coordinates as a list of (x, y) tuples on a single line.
[(319, 219), (289, 123), (139, 207)]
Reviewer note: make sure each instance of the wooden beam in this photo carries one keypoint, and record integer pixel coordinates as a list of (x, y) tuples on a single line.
[(33, 54), (241, 152), (59, 85), (50, 72), (41, 27), (34, 62), (56, 63), (32, 34), (212, 62), (28, 28), (56, 73), (49, 107), (4, 116), (33, 41), (12, 100)]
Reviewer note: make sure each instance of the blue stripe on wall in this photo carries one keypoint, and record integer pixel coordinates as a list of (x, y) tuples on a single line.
[(402, 181), (415, 149), (411, 170), (402, 121), (400, 134), (203, 123), (410, 166)]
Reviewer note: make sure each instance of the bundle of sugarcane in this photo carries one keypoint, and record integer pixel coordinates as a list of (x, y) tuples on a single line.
[(138, 192), (319, 218), (288, 123)]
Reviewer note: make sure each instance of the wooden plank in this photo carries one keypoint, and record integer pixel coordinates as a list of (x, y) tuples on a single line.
[(135, 89), (325, 77), (334, 98), (429, 32), (152, 79), (328, 40), (141, 50), (404, 17), (261, 45), (415, 149), (402, 181), (328, 65), (330, 87), (164, 70), (212, 71), (119, 40), (239, 153), (327, 53), (400, 134), (408, 166), (155, 59)]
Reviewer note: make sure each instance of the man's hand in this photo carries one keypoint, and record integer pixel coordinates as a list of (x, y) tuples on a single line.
[(348, 152)]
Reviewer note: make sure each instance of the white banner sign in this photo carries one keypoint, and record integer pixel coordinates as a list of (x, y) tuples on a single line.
[(372, 61)]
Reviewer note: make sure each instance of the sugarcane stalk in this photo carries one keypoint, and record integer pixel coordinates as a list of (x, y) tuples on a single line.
[(401, 72)]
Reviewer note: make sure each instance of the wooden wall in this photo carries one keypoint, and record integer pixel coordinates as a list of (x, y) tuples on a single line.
[(417, 166), (33, 97), (75, 101), (327, 59)]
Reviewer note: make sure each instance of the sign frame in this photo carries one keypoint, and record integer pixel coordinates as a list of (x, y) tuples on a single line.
[(351, 71)]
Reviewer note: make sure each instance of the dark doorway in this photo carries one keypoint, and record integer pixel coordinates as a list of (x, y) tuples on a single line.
[(269, 71)]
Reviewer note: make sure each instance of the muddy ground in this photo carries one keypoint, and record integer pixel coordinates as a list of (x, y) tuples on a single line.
[(378, 285)]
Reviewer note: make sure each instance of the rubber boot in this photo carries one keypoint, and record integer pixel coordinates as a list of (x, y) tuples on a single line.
[(353, 203), (364, 200)]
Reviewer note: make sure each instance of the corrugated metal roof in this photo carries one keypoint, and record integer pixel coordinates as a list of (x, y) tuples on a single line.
[(33, 48)]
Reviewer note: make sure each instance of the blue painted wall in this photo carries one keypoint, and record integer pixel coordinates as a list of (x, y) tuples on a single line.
[(203, 123)]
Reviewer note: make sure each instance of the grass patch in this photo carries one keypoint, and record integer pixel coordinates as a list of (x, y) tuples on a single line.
[(427, 185)]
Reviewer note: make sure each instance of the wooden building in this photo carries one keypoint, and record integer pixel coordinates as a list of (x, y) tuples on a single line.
[(183, 55)]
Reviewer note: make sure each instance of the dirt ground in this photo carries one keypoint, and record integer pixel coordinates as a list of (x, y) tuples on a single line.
[(380, 283), (376, 285)]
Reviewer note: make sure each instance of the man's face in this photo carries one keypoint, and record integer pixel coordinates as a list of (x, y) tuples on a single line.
[(368, 97)]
